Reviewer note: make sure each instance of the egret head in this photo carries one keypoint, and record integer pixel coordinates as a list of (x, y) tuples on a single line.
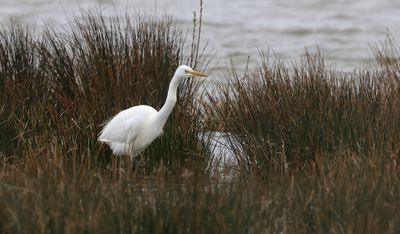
[(185, 71)]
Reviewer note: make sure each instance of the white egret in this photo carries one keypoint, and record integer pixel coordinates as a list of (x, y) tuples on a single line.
[(132, 130)]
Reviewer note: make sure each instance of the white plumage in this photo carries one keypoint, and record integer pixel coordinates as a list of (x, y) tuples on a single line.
[(124, 129), (132, 130)]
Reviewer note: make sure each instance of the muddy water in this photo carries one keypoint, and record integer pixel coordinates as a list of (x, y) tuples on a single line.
[(237, 29)]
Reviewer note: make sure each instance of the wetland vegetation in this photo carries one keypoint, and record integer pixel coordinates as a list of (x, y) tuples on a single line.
[(316, 149)]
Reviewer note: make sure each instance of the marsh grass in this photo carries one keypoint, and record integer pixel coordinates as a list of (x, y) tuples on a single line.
[(61, 87), (286, 117), (317, 149), (57, 90), (348, 194)]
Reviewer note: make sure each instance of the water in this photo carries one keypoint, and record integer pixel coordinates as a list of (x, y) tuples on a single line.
[(236, 29)]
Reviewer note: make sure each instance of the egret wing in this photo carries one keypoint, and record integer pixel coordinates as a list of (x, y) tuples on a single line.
[(126, 125)]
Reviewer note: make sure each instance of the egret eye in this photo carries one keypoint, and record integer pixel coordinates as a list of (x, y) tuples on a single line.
[(187, 71)]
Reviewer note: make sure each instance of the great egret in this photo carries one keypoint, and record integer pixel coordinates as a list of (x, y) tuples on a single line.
[(133, 129)]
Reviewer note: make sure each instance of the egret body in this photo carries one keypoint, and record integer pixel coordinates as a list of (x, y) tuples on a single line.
[(132, 130)]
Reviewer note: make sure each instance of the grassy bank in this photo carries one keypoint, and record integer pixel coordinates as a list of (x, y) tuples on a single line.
[(316, 149)]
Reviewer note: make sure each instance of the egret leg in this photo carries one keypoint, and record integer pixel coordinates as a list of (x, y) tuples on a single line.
[(136, 164)]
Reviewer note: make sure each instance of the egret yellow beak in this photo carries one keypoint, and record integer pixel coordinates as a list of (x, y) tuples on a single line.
[(196, 73)]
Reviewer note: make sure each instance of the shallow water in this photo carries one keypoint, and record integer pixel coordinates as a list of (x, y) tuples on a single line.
[(240, 28)]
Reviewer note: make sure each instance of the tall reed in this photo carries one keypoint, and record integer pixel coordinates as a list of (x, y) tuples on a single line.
[(284, 117), (59, 88)]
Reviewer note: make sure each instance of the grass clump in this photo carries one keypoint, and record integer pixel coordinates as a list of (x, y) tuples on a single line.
[(59, 88), (285, 117), (323, 145)]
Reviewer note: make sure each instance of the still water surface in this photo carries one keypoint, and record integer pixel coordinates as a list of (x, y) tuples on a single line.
[(343, 29)]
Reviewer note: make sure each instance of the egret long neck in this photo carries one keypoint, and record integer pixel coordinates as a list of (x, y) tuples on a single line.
[(169, 104)]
